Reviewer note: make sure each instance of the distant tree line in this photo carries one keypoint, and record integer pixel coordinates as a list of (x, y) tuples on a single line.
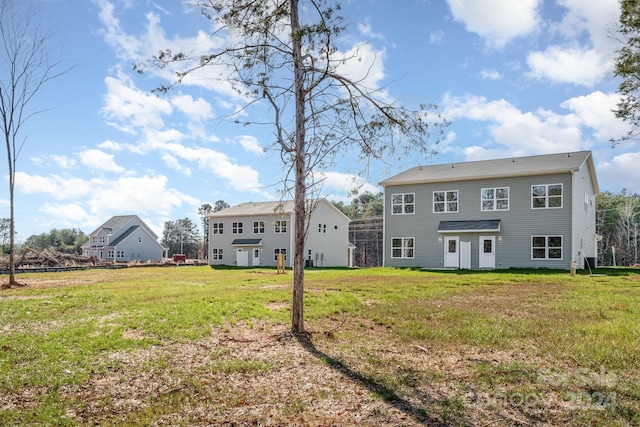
[(66, 240), (617, 220), (365, 229)]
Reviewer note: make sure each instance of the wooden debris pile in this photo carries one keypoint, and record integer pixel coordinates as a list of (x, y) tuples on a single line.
[(31, 258)]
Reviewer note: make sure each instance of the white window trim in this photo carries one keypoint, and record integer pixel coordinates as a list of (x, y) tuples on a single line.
[(403, 248), (403, 204), (216, 253), (433, 202), (217, 227), (546, 248), (546, 197), (495, 200), (257, 226), (279, 225)]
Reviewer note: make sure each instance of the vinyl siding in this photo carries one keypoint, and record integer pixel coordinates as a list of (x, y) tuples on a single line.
[(584, 214), (328, 248), (518, 224), (270, 240), (139, 246)]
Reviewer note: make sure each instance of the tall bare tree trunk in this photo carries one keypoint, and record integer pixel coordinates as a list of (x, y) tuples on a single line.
[(297, 307), (12, 229)]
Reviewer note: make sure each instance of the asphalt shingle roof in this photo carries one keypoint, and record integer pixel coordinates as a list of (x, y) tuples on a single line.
[(498, 168), (251, 242), (124, 235), (470, 226)]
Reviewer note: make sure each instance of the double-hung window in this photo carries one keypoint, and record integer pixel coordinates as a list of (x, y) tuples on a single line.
[(403, 203), (236, 228), (258, 227), (445, 201), (402, 247), (280, 226), (495, 199), (546, 196), (217, 228), (546, 247), (216, 253)]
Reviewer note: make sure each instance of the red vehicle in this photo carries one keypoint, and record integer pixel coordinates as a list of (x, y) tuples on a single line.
[(179, 257)]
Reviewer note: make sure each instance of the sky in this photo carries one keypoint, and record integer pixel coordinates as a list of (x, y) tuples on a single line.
[(514, 78)]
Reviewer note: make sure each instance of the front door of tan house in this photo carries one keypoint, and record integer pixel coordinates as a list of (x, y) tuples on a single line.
[(242, 258)]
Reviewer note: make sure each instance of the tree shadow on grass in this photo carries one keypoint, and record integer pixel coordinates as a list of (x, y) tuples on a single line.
[(386, 393)]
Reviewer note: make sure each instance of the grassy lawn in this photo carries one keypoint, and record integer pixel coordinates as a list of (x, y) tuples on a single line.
[(202, 346)]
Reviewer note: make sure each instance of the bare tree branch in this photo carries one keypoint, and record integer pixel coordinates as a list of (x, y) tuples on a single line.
[(274, 57)]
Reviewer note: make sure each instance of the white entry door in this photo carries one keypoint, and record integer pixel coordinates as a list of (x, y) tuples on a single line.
[(487, 252), (242, 258), (465, 255), (256, 257), (451, 253)]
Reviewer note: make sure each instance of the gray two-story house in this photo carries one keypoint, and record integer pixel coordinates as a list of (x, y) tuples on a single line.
[(254, 234), (124, 238), (533, 212)]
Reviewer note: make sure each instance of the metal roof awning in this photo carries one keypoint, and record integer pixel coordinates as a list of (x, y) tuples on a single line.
[(246, 242), (477, 226)]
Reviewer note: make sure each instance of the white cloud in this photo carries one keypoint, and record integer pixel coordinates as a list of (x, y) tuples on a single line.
[(238, 177), (131, 107), (156, 141), (174, 164), (135, 48), (195, 109), (436, 37), (71, 215), (595, 18), (497, 21), (621, 172), (62, 161), (568, 65), (99, 160), (97, 199), (595, 111), (490, 75), (250, 144), (586, 54), (366, 30), (362, 63), (516, 132), (143, 194), (57, 186), (110, 145), (338, 186)]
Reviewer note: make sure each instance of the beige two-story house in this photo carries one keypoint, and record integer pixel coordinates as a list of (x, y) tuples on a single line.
[(254, 234)]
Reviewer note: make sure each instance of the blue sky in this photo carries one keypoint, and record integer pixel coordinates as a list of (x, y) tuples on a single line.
[(514, 78)]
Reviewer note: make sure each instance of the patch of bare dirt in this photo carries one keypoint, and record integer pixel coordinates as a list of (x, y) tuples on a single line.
[(258, 375), (286, 382)]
